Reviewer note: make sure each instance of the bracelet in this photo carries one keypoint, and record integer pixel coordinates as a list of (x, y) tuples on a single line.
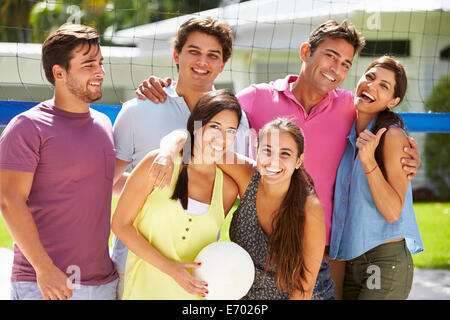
[(369, 172)]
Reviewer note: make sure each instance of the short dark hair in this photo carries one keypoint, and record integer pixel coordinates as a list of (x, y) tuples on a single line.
[(219, 29), (334, 30), (57, 48)]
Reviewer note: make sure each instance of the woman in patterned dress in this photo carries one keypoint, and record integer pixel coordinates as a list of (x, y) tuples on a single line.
[(280, 220)]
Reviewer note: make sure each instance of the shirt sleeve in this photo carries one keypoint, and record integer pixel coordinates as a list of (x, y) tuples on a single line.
[(246, 98), (19, 145), (241, 141), (123, 134)]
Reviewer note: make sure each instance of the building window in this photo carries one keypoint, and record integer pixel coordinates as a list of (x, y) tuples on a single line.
[(445, 53), (376, 48)]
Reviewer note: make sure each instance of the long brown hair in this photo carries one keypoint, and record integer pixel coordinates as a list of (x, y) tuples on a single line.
[(286, 239), (387, 117), (207, 107)]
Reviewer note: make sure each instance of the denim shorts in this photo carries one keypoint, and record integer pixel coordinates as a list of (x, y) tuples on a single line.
[(30, 291), (324, 287)]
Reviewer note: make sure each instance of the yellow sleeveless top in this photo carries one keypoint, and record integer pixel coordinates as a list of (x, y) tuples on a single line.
[(179, 236)]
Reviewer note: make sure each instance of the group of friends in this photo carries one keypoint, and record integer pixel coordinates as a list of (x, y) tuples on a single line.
[(322, 176)]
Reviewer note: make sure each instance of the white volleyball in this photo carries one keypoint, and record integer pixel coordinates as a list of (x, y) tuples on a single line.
[(227, 268)]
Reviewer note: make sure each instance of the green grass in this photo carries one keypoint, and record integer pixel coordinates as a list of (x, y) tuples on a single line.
[(433, 220), (434, 225)]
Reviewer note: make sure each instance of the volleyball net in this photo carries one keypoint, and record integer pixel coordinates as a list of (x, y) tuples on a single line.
[(415, 122), (136, 34), (268, 34)]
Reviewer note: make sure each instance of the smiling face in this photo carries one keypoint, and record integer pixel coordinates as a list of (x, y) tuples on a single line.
[(328, 66), (277, 156), (85, 74), (216, 136), (200, 60), (375, 91)]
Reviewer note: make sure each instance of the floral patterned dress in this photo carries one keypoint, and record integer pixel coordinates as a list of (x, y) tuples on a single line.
[(246, 231)]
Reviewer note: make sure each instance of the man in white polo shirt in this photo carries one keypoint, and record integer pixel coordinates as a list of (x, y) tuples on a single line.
[(202, 46)]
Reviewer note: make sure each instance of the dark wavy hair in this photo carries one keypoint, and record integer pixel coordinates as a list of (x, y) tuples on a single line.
[(58, 47), (207, 25), (387, 117), (334, 30), (286, 239)]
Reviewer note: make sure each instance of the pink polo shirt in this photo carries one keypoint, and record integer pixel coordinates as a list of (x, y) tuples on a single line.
[(325, 129)]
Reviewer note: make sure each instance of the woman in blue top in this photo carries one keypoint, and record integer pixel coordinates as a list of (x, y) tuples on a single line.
[(374, 227)]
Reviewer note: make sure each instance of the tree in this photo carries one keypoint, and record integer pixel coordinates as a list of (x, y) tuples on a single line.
[(14, 15), (108, 15), (437, 145)]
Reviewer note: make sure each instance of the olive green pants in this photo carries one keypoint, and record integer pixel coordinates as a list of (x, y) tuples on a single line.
[(382, 273)]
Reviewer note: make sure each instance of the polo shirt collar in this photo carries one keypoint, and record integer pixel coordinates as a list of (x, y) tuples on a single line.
[(170, 91), (282, 85)]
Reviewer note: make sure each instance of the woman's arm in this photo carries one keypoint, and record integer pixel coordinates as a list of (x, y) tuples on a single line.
[(230, 193), (388, 195), (313, 246), (130, 202), (239, 168)]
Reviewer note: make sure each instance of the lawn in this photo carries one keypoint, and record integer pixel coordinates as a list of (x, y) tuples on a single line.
[(433, 220), (434, 225)]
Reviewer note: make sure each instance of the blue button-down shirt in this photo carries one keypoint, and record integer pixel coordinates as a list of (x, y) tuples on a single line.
[(357, 224)]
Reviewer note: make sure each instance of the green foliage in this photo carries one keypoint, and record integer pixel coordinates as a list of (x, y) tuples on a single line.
[(439, 101), (437, 145), (434, 225), (30, 21), (14, 25)]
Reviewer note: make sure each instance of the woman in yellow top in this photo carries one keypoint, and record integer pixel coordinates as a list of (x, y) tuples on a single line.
[(165, 228)]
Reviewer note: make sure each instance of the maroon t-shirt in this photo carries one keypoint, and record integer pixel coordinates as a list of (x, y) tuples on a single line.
[(72, 157)]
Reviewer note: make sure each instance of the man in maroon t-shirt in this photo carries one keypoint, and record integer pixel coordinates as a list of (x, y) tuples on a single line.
[(56, 174)]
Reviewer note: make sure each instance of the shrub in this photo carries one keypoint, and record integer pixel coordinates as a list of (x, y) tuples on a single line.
[(437, 145)]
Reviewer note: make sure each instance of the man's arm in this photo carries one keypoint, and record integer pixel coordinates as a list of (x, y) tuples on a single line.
[(153, 89), (120, 176), (411, 165), (15, 187)]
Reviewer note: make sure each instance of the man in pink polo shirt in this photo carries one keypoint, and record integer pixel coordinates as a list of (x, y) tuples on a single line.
[(313, 101)]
